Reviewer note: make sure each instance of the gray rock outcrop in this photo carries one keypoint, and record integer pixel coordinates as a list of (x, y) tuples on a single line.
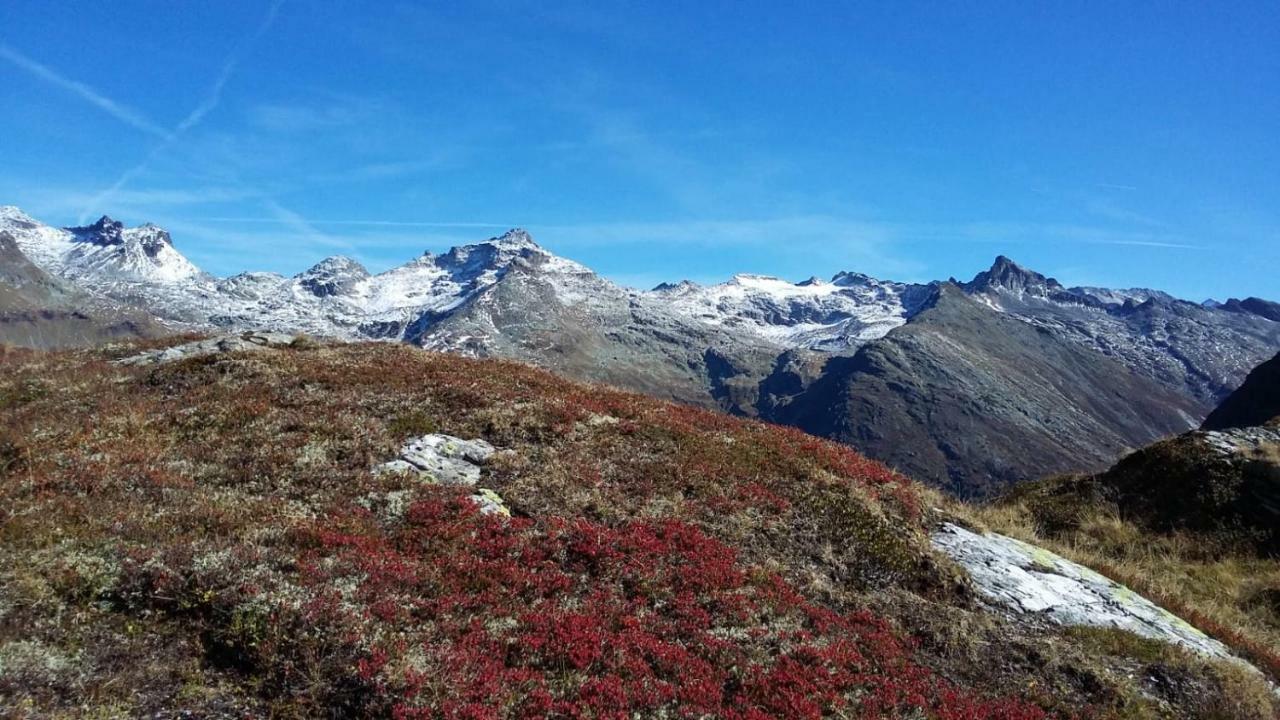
[(1028, 579), (247, 341), (448, 460)]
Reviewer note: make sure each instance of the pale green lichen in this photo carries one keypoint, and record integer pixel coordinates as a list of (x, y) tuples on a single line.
[(388, 506), (492, 502), (32, 660)]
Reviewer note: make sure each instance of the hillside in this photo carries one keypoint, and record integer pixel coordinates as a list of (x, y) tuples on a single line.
[(221, 536), (974, 401), (1256, 402)]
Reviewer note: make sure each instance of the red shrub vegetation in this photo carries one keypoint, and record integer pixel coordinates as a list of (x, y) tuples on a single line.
[(575, 619)]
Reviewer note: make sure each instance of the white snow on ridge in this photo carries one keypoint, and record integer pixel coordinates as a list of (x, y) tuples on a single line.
[(103, 251), (847, 312), (338, 297)]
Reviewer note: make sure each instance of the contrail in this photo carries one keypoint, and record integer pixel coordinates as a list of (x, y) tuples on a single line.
[(125, 114), (214, 96), (1148, 243), (211, 100), (300, 225)]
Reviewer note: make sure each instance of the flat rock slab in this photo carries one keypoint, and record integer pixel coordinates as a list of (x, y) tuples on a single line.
[(445, 459), (248, 341), (448, 460), (1029, 579)]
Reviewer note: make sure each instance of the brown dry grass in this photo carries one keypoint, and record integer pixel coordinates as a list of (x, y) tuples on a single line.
[(1225, 590)]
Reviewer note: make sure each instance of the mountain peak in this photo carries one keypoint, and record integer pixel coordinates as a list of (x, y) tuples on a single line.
[(1007, 275), (336, 262), (13, 212), (11, 216), (514, 248), (1003, 264), (106, 231), (515, 238), (683, 285), (334, 275), (848, 278)]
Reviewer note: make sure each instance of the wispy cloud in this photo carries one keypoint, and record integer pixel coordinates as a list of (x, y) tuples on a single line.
[(303, 227), (1111, 211), (119, 111), (298, 117), (772, 243), (1023, 232), (722, 232), (63, 201), (206, 105)]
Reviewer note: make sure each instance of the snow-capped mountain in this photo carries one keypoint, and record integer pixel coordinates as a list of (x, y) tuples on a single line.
[(104, 252), (337, 297), (506, 296), (814, 314), (1010, 359), (42, 311)]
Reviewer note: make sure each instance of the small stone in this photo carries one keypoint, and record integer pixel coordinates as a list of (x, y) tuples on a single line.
[(490, 503)]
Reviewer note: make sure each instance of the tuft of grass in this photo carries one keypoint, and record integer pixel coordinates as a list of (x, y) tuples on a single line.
[(1232, 690), (413, 423)]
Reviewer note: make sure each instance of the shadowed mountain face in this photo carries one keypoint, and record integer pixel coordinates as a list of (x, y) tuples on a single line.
[(970, 386), (1256, 402), (1221, 481), (1255, 306), (40, 311), (974, 401)]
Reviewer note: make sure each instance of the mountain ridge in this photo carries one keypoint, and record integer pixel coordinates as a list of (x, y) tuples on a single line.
[(753, 345)]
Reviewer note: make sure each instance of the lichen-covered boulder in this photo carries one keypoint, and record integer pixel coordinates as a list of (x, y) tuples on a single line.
[(448, 460), (445, 459)]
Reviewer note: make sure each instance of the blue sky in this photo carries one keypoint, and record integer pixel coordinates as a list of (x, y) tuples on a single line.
[(1123, 144)]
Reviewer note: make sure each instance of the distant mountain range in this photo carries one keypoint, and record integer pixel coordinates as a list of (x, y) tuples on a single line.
[(971, 386)]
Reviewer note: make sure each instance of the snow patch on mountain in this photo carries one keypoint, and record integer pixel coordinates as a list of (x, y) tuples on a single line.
[(104, 251), (838, 315)]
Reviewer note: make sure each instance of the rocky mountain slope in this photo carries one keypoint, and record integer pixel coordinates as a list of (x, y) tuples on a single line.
[(38, 310), (1201, 351), (248, 528), (1254, 403), (974, 400), (753, 345)]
